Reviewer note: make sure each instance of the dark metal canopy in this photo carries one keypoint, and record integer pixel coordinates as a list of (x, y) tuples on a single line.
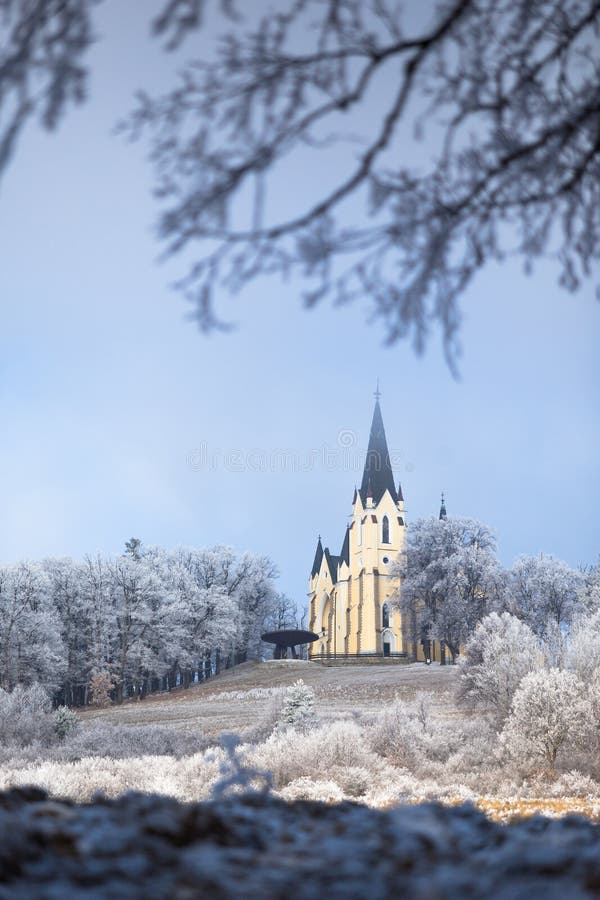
[(288, 638)]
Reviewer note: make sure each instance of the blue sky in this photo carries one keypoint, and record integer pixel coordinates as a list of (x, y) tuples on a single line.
[(111, 400)]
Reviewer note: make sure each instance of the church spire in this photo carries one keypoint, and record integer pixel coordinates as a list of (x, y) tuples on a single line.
[(377, 475), (443, 508)]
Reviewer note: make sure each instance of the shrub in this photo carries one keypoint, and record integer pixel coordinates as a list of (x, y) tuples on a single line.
[(25, 716), (292, 754), (548, 714)]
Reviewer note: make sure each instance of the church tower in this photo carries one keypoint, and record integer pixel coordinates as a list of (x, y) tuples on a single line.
[(350, 593)]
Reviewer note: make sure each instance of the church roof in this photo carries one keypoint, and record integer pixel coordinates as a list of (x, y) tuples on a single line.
[(332, 562), (318, 558), (345, 551), (377, 476)]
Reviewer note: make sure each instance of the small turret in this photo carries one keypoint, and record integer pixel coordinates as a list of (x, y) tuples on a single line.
[(443, 508), (400, 505)]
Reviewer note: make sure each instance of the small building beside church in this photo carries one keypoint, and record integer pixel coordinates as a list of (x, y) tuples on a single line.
[(350, 593)]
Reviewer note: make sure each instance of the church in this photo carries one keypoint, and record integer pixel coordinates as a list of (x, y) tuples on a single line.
[(350, 594)]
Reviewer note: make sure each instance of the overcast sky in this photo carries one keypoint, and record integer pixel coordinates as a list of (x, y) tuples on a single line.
[(120, 419)]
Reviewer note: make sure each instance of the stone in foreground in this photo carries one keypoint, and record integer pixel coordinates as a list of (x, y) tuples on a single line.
[(143, 846)]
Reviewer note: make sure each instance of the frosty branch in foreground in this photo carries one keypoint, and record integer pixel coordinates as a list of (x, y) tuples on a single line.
[(509, 94)]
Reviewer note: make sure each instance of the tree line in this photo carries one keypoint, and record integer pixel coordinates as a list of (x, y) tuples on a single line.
[(452, 579), (149, 619)]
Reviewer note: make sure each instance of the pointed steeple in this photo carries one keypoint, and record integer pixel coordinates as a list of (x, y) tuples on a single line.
[(377, 473), (443, 508), (400, 495), (318, 559)]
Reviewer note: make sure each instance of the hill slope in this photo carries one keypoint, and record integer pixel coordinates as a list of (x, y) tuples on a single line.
[(233, 701)]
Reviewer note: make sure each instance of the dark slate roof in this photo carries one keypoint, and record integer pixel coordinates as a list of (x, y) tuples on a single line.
[(332, 562), (377, 475), (345, 551), (318, 559), (400, 495)]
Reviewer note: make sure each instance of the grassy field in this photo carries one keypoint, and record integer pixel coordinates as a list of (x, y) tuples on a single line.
[(233, 701)]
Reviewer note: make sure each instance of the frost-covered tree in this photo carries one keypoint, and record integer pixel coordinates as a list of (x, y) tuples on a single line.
[(583, 645), (593, 697), (207, 612), (136, 596), (498, 655), (284, 614), (544, 591), (145, 620), (298, 710), (66, 596), (589, 593), (65, 721), (549, 713), (450, 578), (31, 648)]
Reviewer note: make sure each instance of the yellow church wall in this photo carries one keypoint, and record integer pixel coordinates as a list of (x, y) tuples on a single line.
[(353, 622)]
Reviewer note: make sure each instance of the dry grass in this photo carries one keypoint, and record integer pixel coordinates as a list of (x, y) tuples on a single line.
[(513, 808), (234, 700)]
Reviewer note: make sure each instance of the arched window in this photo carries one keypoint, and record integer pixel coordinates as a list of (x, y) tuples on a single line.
[(359, 536), (385, 616), (385, 530)]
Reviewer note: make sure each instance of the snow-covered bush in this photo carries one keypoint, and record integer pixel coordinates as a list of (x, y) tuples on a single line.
[(548, 715), (499, 653), (298, 710), (397, 735), (65, 721), (102, 739), (415, 736), (26, 717), (308, 789), (292, 754), (574, 784)]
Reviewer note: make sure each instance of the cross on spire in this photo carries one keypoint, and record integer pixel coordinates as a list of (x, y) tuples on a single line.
[(377, 393)]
